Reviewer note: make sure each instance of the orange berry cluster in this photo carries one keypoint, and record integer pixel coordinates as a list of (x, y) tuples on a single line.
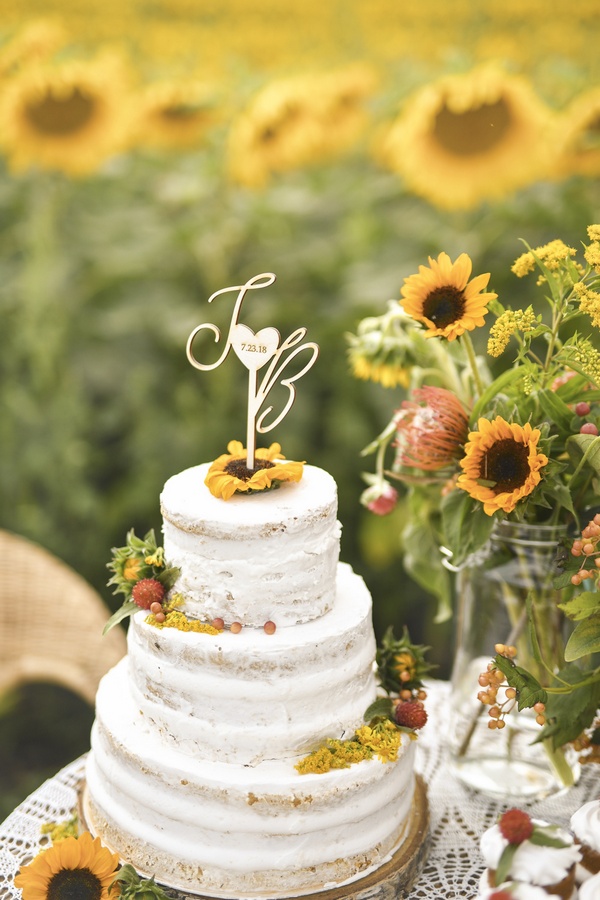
[(587, 546), (491, 681), (588, 750), (236, 627)]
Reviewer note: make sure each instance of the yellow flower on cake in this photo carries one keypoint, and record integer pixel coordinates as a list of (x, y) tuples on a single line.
[(444, 300), (229, 473), (76, 867), (501, 464)]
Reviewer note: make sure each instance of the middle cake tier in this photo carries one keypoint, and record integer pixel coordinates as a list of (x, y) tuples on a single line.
[(248, 697)]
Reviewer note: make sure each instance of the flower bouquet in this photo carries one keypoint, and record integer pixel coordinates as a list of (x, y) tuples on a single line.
[(496, 465)]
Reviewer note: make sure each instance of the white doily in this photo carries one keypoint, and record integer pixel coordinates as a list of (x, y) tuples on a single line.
[(458, 815)]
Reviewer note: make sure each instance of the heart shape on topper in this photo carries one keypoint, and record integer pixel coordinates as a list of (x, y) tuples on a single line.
[(254, 350)]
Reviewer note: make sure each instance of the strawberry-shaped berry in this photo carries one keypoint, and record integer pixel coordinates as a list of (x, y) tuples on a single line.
[(410, 714), (516, 826), (146, 592)]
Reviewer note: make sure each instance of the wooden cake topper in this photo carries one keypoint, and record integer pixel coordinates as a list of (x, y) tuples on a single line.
[(255, 350)]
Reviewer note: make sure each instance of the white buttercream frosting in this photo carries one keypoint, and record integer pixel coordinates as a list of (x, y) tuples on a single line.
[(585, 825), (229, 829), (590, 889), (251, 696), (532, 863), (266, 556)]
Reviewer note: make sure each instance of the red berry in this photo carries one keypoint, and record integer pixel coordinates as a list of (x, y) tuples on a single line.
[(583, 408), (411, 714), (501, 895), (588, 428), (146, 592), (383, 503), (516, 826), (270, 627)]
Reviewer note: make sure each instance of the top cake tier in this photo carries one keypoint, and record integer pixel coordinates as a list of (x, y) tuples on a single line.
[(255, 558)]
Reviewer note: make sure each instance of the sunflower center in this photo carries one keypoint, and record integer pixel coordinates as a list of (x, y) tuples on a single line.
[(444, 305), (74, 884), (473, 131), (178, 113), (507, 464), (239, 469), (59, 116)]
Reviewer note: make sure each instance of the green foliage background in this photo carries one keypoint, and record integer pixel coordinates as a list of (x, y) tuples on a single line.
[(103, 279)]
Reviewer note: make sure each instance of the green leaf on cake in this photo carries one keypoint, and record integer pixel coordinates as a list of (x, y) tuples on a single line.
[(382, 708), (127, 609), (505, 862)]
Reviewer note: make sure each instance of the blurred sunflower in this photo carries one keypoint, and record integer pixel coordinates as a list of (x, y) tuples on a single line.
[(36, 41), (342, 111), (470, 137), (578, 136), (69, 117), (279, 131), (74, 868), (175, 114)]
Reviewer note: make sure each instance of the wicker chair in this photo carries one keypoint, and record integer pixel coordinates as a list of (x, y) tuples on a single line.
[(51, 622)]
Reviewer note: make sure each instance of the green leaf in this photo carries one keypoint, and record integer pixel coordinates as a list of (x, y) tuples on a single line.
[(491, 393), (556, 410), (123, 612), (585, 638), (466, 526), (423, 563), (528, 688), (585, 447), (543, 837), (505, 862), (380, 708), (581, 606), (569, 714)]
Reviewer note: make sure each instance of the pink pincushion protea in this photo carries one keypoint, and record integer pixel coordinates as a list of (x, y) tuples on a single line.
[(431, 429)]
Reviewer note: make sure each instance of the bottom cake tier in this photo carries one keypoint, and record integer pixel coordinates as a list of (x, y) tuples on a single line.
[(230, 830)]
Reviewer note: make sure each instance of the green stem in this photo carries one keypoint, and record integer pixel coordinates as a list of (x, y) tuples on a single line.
[(470, 350), (559, 763)]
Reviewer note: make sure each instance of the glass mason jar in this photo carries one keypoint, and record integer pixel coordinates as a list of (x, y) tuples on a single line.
[(492, 592)]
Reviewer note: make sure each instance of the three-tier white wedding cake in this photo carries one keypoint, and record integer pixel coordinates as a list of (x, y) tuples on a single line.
[(192, 776)]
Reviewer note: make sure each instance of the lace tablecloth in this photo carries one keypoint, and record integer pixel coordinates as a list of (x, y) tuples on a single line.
[(458, 815)]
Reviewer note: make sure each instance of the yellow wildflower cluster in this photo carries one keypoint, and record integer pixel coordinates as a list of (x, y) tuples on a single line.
[(333, 755), (552, 255), (589, 302), (174, 618), (523, 320), (592, 253), (384, 739), (593, 232), (588, 358), (59, 831)]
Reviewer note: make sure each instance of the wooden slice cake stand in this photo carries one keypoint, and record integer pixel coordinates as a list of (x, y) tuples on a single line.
[(390, 881)]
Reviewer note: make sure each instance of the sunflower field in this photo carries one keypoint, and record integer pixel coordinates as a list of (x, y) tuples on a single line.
[(153, 153)]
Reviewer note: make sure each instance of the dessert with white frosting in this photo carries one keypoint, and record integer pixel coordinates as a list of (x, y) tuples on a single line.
[(510, 855), (195, 775), (585, 825), (590, 889)]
